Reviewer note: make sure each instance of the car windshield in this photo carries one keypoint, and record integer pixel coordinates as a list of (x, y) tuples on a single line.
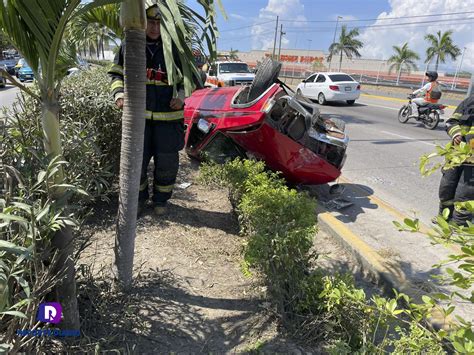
[(234, 68), (340, 77)]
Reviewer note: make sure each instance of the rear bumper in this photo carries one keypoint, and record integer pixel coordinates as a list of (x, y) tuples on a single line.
[(342, 96)]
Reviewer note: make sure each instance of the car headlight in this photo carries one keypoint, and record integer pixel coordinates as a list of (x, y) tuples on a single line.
[(204, 126)]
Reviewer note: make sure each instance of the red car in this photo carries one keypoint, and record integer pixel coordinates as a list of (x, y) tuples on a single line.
[(266, 121)]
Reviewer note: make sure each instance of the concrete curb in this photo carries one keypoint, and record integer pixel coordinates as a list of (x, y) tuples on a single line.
[(388, 275)]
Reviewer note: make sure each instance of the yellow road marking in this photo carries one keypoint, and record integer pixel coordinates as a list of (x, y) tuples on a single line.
[(394, 99)]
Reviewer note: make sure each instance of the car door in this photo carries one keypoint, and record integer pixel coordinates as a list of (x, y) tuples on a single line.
[(320, 85), (307, 85)]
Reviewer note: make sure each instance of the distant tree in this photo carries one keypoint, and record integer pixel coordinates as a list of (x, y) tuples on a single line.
[(441, 46), (4, 43), (233, 54), (347, 44), (403, 59)]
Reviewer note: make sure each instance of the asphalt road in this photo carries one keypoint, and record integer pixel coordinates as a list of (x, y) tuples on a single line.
[(383, 154), (8, 95)]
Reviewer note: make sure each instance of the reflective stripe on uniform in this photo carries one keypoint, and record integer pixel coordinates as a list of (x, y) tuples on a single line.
[(164, 188), (454, 130), (143, 186), (116, 69), (117, 84), (447, 203), (165, 116)]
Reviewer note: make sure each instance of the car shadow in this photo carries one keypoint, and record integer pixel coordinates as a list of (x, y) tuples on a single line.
[(353, 201)]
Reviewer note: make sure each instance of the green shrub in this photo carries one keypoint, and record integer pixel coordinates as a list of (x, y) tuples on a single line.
[(90, 133), (279, 224)]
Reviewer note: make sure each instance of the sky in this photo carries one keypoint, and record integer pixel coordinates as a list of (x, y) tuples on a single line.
[(310, 24)]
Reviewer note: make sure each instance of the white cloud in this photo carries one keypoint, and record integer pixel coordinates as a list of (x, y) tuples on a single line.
[(263, 34), (379, 41), (237, 17)]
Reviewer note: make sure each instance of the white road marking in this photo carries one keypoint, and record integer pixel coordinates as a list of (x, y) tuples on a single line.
[(389, 108), (412, 139)]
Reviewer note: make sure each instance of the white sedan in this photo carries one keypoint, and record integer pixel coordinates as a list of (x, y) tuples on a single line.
[(326, 87)]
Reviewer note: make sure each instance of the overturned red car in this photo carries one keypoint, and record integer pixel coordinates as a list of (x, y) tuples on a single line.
[(266, 121)]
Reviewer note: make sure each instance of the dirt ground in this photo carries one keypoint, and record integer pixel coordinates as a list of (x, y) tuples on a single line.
[(190, 295)]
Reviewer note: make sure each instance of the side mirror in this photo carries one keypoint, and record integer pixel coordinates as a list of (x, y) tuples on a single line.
[(304, 81)]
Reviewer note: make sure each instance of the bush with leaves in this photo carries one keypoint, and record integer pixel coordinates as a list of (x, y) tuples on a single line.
[(90, 129), (279, 225), (462, 237), (29, 213)]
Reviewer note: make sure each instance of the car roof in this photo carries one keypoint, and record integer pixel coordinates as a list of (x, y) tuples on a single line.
[(330, 73)]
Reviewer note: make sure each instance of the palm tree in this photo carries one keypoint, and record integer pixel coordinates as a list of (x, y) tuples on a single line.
[(233, 54), (133, 19), (175, 29), (37, 32), (347, 44), (441, 46), (404, 58)]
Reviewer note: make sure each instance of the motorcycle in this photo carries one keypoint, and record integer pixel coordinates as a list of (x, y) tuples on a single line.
[(428, 115), (269, 122)]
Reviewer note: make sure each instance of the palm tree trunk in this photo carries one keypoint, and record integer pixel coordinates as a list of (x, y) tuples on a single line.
[(399, 74), (437, 62), (65, 291), (340, 61), (133, 126)]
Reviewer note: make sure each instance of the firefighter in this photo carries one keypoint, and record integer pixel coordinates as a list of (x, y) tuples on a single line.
[(457, 184), (164, 128)]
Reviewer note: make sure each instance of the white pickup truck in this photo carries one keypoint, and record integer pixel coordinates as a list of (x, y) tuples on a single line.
[(229, 73)]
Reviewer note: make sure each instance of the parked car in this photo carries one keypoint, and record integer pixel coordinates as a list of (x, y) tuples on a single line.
[(267, 121), (3, 80), (326, 87), (9, 64), (21, 62), (25, 73)]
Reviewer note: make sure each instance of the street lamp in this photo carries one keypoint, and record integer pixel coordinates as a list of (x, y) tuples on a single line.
[(458, 69), (334, 39)]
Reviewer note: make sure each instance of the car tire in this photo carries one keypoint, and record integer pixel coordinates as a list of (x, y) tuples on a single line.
[(351, 102), (267, 74), (321, 99), (22, 80), (298, 92)]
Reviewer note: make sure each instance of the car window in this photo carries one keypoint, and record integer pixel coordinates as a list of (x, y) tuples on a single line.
[(340, 77), (321, 79), (311, 78), (234, 68)]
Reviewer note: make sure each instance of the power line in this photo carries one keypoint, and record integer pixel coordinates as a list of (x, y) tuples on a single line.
[(255, 24), (420, 23), (240, 37), (383, 19)]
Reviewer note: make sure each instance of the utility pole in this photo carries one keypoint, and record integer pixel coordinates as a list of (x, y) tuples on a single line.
[(275, 41), (458, 69), (334, 39), (470, 91), (281, 36)]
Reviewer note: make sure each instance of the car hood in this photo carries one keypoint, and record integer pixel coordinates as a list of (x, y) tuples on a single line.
[(237, 76)]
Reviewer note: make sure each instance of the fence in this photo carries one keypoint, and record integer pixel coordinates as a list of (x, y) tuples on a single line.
[(372, 71)]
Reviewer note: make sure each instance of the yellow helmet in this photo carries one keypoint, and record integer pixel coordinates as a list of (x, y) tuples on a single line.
[(152, 9)]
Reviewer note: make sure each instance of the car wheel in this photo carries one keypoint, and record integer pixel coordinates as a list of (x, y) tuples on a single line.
[(298, 92), (321, 99), (22, 80), (351, 102), (266, 75)]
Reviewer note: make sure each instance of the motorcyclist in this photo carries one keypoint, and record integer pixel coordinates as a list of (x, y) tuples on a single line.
[(430, 93)]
